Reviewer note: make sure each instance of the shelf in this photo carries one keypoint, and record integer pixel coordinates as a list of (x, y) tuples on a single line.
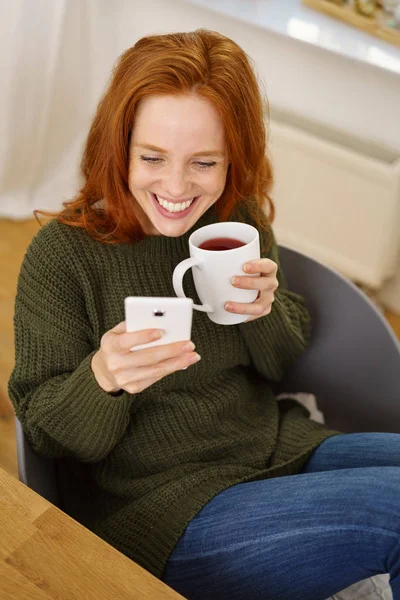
[(349, 15)]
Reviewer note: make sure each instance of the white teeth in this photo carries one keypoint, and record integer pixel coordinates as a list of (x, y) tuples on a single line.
[(174, 207)]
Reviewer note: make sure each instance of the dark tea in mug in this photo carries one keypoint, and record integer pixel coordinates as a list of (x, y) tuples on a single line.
[(222, 243)]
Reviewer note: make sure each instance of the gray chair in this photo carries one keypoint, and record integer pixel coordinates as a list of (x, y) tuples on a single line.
[(37, 472), (352, 364)]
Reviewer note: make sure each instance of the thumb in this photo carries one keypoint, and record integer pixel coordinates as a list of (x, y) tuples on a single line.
[(120, 328)]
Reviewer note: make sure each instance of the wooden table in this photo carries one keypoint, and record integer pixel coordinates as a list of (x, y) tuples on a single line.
[(44, 554)]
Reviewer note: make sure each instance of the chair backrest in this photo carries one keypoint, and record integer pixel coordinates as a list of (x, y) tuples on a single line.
[(352, 364)]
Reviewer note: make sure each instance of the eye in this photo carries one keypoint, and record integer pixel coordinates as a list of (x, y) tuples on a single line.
[(206, 165), (151, 159)]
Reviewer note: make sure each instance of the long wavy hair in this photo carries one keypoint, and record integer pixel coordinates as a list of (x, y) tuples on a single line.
[(215, 68)]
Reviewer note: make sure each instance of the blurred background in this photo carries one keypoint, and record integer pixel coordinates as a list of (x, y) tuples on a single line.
[(330, 70)]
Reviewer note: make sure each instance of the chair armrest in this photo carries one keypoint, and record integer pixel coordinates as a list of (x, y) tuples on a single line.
[(352, 364), (37, 472)]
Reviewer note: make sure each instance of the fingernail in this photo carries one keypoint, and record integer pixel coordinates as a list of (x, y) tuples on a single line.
[(189, 347), (247, 268), (157, 334), (228, 306), (235, 280), (195, 358)]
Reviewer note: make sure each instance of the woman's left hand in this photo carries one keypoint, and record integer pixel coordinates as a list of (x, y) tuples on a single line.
[(266, 284)]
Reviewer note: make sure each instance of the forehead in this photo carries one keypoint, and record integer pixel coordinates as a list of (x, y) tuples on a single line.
[(178, 122)]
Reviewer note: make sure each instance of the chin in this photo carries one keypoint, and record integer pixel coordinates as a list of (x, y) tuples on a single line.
[(175, 230)]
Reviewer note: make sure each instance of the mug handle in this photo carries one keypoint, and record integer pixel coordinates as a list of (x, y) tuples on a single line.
[(177, 281)]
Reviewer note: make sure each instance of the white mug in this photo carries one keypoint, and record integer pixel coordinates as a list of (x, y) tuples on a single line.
[(213, 269)]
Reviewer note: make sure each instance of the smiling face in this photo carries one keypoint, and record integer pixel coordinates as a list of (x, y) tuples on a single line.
[(178, 162)]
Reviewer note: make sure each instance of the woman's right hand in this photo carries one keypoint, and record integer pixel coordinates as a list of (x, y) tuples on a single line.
[(116, 367)]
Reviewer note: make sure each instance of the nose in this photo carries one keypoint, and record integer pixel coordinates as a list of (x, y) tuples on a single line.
[(176, 182)]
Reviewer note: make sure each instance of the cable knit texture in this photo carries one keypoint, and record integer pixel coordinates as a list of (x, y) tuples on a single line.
[(138, 468)]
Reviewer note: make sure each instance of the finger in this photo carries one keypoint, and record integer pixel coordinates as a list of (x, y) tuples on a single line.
[(265, 266), (139, 386), (120, 328), (130, 379), (118, 340), (255, 309), (253, 282), (151, 356), (166, 367)]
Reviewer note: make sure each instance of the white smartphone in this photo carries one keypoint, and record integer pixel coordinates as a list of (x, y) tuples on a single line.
[(172, 315)]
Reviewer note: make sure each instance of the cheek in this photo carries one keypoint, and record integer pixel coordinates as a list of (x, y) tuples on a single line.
[(139, 177), (215, 184)]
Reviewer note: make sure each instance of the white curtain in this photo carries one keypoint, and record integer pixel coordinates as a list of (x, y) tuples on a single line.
[(55, 60)]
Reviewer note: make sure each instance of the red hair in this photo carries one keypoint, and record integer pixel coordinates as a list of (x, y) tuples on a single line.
[(217, 69)]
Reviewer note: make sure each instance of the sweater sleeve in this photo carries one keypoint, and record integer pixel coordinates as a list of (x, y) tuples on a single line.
[(276, 340), (63, 410)]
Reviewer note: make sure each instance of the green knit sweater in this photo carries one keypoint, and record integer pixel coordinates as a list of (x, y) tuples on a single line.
[(138, 468)]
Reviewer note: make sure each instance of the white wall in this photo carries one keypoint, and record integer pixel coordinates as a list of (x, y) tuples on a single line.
[(360, 100)]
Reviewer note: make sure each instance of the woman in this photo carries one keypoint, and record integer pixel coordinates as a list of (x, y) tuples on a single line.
[(199, 474)]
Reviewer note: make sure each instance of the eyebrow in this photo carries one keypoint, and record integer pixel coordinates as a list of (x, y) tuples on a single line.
[(162, 151)]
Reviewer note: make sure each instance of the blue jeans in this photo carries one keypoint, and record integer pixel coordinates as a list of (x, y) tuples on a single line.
[(299, 537)]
